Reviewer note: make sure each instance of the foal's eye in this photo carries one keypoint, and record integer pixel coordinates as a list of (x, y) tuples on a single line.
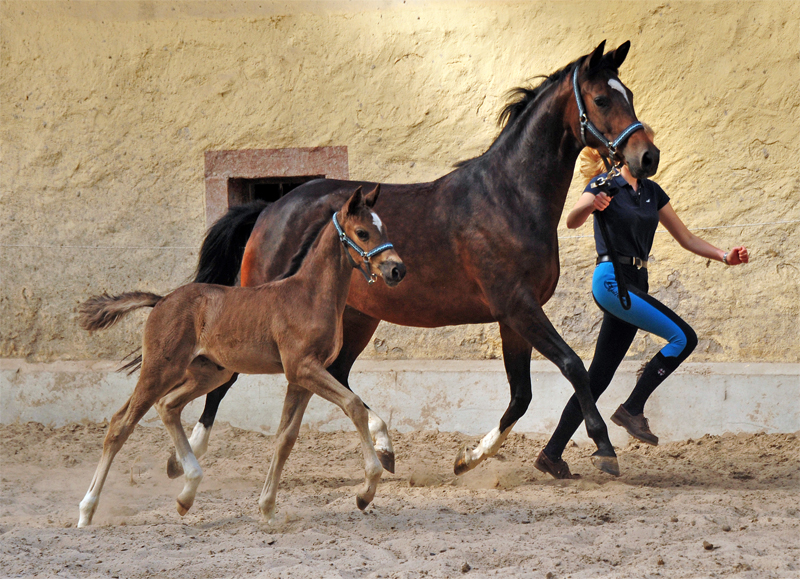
[(602, 102), (362, 235)]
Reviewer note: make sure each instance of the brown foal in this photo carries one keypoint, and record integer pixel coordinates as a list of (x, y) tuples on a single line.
[(200, 334)]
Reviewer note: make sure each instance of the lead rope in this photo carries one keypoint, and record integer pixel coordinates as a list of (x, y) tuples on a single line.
[(622, 287)]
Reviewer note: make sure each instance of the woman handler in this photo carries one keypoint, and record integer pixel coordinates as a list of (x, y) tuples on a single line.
[(632, 216)]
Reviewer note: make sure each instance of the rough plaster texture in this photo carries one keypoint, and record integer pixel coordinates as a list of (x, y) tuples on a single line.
[(107, 110)]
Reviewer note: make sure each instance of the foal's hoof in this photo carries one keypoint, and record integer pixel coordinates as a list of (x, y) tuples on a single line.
[(361, 503), (462, 464), (174, 467), (387, 460), (182, 509), (608, 464)]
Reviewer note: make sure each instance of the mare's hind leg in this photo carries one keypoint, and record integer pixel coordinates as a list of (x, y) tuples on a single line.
[(201, 377), (313, 377), (358, 330), (517, 360), (202, 430), (294, 406)]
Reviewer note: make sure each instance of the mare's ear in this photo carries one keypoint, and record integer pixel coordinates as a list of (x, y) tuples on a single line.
[(372, 196), (618, 56), (597, 55), (356, 201)]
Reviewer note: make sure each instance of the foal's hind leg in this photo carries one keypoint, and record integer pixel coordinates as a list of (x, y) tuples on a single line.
[(148, 389), (202, 430), (313, 377), (294, 406), (202, 377), (517, 361)]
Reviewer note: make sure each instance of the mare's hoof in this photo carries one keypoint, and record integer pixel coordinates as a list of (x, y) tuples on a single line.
[(608, 464), (387, 460), (174, 467), (182, 509), (361, 503), (461, 465)]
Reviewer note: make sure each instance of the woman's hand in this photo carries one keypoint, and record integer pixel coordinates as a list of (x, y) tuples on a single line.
[(601, 201), (737, 255)]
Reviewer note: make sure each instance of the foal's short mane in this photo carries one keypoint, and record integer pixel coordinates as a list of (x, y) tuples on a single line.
[(308, 240)]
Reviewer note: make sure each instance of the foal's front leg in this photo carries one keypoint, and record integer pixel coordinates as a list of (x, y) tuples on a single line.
[(294, 406), (313, 377)]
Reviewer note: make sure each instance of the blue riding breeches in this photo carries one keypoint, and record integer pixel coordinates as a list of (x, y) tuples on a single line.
[(646, 313)]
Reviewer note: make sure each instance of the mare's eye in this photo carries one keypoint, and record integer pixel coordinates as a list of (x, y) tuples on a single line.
[(602, 102), (362, 235)]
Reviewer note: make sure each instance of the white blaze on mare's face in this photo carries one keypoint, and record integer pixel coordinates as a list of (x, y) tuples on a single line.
[(617, 85), (377, 222)]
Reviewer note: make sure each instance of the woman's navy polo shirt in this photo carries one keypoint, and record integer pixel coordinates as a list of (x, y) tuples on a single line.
[(632, 217)]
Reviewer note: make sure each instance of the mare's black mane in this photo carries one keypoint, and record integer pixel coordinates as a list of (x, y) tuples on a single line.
[(520, 97)]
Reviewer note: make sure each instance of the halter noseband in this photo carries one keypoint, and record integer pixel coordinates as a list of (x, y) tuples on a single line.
[(365, 255), (586, 124)]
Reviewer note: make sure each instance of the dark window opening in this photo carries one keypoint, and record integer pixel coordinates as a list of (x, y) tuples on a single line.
[(270, 189)]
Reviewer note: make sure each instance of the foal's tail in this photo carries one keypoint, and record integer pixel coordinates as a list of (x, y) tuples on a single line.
[(101, 312), (223, 247)]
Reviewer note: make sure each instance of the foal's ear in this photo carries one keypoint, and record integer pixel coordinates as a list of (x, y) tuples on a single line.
[(372, 196), (597, 55), (618, 56), (356, 201)]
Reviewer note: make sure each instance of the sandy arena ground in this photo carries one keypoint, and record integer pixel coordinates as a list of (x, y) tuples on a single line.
[(714, 507)]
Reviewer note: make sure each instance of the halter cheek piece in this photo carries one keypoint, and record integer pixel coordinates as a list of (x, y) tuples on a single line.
[(365, 255), (586, 124)]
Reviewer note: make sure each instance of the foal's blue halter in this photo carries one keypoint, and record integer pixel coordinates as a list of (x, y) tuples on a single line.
[(365, 255), (586, 124)]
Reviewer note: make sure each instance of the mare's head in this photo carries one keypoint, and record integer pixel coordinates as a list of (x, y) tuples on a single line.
[(368, 245), (609, 106)]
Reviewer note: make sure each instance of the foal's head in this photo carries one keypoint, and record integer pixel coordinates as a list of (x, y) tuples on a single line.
[(609, 105), (363, 226)]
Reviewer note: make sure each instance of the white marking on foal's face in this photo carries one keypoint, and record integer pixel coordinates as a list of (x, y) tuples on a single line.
[(617, 85), (377, 221)]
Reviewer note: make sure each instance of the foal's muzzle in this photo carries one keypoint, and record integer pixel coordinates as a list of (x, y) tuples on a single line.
[(392, 271)]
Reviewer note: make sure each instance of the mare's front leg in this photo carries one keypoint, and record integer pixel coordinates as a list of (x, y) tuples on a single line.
[(517, 361), (294, 406), (313, 377), (523, 314)]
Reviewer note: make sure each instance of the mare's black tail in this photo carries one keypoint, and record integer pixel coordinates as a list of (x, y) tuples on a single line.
[(223, 247)]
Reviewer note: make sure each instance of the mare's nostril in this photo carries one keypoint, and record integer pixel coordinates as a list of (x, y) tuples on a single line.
[(647, 161)]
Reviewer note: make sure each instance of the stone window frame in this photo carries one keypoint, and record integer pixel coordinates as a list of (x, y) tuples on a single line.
[(223, 169)]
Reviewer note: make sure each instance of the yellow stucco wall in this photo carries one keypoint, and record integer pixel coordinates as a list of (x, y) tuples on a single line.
[(106, 109)]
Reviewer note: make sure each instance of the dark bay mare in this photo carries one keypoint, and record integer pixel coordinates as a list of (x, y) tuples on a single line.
[(480, 243)]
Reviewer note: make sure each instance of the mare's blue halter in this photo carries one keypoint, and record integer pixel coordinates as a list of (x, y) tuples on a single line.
[(365, 255), (586, 124)]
